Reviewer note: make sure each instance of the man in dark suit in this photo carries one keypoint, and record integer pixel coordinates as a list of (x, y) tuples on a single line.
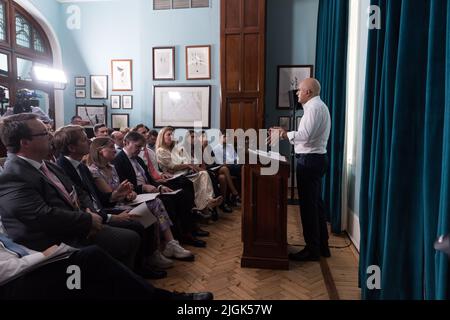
[(38, 205), (131, 167), (72, 143)]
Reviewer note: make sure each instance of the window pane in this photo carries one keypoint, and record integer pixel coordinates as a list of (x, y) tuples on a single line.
[(4, 65), (24, 69), (22, 31), (180, 4), (38, 45), (161, 4), (2, 22), (4, 99), (200, 3)]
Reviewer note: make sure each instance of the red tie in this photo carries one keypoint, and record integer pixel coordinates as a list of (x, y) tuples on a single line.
[(57, 183), (153, 172)]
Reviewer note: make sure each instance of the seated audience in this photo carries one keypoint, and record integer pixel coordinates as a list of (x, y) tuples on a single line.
[(118, 136), (175, 159), (38, 205), (78, 121), (73, 145), (101, 130), (24, 276)]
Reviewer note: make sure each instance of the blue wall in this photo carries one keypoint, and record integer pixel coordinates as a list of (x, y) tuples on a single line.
[(291, 40), (128, 29)]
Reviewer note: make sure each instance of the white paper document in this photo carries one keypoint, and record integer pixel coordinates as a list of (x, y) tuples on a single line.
[(143, 198), (143, 215)]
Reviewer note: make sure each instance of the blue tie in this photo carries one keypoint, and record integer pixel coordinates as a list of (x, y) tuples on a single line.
[(13, 247)]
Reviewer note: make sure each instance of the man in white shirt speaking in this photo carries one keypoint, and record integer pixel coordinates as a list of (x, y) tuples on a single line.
[(310, 143)]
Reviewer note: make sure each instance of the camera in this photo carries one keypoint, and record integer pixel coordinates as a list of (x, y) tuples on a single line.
[(25, 99)]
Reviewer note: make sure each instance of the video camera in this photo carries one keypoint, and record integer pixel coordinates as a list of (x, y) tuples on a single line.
[(25, 99)]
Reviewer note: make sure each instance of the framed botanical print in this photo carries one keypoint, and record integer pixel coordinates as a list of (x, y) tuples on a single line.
[(120, 120), (80, 93), (80, 81), (92, 113), (122, 75), (115, 102), (289, 77), (127, 102), (164, 63), (99, 87), (182, 106), (198, 62)]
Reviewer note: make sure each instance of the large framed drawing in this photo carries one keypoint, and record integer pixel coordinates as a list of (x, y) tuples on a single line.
[(289, 77), (122, 75), (182, 106), (198, 62), (92, 113), (164, 63), (99, 87)]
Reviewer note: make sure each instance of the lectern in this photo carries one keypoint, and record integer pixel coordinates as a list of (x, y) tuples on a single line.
[(264, 217)]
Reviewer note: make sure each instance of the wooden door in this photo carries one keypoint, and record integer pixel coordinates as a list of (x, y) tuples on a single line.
[(242, 56)]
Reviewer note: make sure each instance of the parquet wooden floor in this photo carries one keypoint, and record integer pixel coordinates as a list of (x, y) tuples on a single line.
[(217, 268)]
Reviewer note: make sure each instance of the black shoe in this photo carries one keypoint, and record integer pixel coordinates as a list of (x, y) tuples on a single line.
[(304, 255), (201, 214), (235, 201), (148, 273), (200, 233), (225, 208), (194, 242), (325, 252), (193, 296)]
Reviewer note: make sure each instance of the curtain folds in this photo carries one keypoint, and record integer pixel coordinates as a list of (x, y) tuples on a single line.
[(405, 183), (331, 67)]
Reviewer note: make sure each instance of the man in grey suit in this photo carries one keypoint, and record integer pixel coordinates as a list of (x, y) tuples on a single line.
[(38, 204)]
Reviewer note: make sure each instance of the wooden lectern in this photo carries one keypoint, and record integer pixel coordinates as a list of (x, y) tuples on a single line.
[(264, 217)]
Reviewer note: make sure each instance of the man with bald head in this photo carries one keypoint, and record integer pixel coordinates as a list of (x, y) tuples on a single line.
[(310, 143)]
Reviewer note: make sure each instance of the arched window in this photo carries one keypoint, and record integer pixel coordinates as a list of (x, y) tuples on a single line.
[(23, 44)]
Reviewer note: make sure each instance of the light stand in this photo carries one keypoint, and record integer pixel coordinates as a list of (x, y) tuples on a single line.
[(295, 105)]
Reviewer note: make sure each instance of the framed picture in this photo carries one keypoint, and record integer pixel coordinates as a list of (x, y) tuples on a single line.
[(120, 120), (289, 77), (127, 102), (99, 87), (182, 106), (285, 123), (115, 102), (198, 62), (164, 63), (122, 75), (80, 81), (80, 93), (92, 113)]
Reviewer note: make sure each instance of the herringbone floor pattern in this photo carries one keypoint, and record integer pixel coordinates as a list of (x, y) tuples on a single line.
[(217, 268)]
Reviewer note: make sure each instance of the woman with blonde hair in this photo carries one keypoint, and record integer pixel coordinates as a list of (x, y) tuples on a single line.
[(175, 159), (106, 178)]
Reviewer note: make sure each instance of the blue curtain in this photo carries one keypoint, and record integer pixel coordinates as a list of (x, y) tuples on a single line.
[(405, 183), (331, 67)]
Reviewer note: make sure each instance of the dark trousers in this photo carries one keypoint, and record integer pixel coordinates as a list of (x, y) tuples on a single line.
[(102, 277), (310, 170), (180, 206)]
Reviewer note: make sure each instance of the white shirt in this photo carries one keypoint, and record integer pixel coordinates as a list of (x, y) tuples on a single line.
[(138, 170), (11, 264), (230, 154), (314, 130)]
